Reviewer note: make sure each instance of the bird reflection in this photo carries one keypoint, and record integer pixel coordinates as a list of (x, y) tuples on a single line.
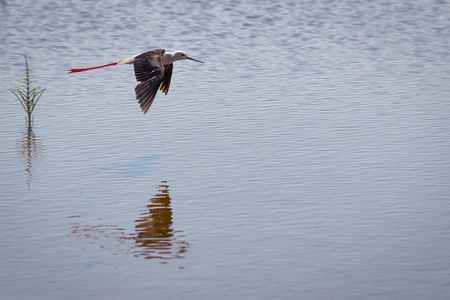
[(153, 236), (29, 148)]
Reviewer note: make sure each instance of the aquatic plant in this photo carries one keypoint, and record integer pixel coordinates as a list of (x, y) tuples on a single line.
[(28, 94)]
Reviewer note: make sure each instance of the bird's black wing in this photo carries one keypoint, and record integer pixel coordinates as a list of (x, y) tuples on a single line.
[(165, 82), (149, 70)]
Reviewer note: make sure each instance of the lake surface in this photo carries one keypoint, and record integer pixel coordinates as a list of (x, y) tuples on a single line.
[(308, 158)]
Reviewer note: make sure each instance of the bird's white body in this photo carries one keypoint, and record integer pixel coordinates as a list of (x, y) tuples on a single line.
[(167, 58)]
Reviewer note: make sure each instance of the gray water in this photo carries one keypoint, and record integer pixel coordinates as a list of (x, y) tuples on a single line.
[(308, 158)]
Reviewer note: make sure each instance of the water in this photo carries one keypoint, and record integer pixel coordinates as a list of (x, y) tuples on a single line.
[(306, 159)]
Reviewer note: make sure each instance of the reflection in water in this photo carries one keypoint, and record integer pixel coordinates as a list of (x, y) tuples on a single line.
[(154, 234), (138, 167), (29, 148), (154, 237)]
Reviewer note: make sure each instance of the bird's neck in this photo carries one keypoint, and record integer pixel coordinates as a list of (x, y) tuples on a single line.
[(167, 58)]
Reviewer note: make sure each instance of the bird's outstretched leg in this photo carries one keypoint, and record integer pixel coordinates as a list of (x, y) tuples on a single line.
[(86, 69)]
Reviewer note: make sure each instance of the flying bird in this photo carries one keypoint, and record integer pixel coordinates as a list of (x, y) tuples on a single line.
[(153, 70)]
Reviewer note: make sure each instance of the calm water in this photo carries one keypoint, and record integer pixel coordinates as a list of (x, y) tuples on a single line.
[(308, 158)]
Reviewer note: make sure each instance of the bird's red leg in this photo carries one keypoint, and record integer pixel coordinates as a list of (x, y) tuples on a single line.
[(86, 69)]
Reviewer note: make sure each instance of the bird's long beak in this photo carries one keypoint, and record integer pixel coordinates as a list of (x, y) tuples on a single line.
[(195, 60)]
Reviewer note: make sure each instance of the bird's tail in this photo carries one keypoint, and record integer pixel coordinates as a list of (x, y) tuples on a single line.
[(86, 69)]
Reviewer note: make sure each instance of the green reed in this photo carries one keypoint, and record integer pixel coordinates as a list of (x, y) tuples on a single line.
[(28, 94)]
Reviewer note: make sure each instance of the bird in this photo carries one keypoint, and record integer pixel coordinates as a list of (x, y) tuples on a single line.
[(153, 70)]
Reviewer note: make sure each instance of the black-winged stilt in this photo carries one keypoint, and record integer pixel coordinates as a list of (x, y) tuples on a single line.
[(153, 69)]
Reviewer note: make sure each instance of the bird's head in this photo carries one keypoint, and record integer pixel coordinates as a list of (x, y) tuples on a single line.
[(180, 55)]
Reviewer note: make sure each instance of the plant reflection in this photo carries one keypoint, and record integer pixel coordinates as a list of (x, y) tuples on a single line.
[(29, 148), (154, 237)]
